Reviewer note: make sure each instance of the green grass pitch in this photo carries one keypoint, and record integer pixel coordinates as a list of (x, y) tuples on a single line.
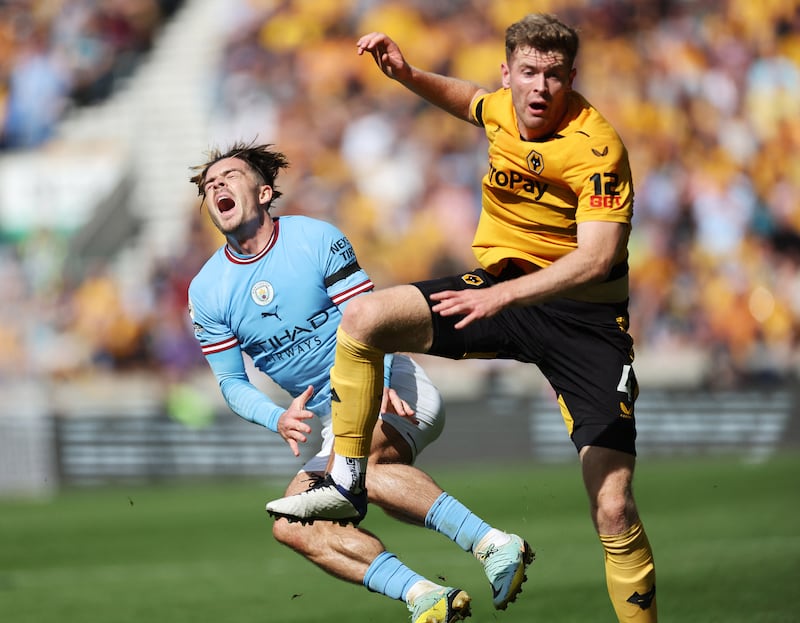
[(726, 536)]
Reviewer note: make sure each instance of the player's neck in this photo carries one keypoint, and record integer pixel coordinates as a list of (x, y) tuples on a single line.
[(252, 243)]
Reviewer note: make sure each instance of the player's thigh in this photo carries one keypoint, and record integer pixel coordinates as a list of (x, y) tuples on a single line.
[(394, 319), (503, 336)]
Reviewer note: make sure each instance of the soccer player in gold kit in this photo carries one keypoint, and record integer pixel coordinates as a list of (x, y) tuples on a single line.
[(552, 290)]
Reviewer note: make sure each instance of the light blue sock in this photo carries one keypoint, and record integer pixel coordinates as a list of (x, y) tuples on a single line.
[(388, 576), (450, 517)]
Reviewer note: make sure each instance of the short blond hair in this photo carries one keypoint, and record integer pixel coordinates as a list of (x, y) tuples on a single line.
[(544, 32)]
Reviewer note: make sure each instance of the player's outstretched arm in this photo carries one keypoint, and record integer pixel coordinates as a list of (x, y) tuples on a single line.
[(387, 55), (450, 94)]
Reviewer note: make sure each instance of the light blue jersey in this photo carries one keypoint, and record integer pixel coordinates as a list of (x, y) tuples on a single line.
[(282, 307)]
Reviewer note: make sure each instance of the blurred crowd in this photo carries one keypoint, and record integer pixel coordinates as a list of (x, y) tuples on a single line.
[(55, 54), (706, 95)]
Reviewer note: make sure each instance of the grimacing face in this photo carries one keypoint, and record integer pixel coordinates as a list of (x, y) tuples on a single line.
[(235, 195), (539, 82)]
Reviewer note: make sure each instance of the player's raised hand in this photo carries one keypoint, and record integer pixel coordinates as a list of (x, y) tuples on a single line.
[(386, 53), (292, 426), (392, 403)]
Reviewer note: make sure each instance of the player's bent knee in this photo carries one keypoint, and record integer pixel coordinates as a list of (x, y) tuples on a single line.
[(365, 315), (612, 509), (615, 513), (287, 533), (358, 317)]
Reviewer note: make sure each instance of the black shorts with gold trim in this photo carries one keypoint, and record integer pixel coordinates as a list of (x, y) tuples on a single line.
[(583, 349)]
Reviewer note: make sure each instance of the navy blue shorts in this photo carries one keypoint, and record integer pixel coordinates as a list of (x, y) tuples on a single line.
[(583, 349)]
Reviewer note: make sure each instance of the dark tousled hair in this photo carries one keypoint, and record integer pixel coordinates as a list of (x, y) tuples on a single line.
[(544, 32), (263, 159)]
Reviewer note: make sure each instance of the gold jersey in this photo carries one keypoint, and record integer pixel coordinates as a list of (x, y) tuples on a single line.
[(536, 192)]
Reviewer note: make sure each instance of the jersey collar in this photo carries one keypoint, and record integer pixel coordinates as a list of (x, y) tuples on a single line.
[(249, 259)]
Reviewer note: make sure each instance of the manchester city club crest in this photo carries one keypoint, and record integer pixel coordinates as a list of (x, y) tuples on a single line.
[(262, 293)]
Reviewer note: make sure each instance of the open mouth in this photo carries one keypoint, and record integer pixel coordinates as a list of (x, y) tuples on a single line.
[(225, 203)]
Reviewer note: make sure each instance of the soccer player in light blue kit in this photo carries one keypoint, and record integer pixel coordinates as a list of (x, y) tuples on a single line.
[(276, 291)]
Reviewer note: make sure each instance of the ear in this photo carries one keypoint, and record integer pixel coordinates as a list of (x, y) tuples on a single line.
[(505, 74), (265, 194)]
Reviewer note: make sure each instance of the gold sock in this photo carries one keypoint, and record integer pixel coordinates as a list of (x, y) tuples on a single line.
[(631, 575), (356, 391)]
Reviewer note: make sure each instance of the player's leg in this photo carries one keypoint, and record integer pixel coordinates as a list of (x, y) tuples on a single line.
[(343, 551), (411, 495), (354, 555), (386, 321), (391, 473), (407, 493), (597, 393), (630, 569), (357, 556), (397, 319)]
